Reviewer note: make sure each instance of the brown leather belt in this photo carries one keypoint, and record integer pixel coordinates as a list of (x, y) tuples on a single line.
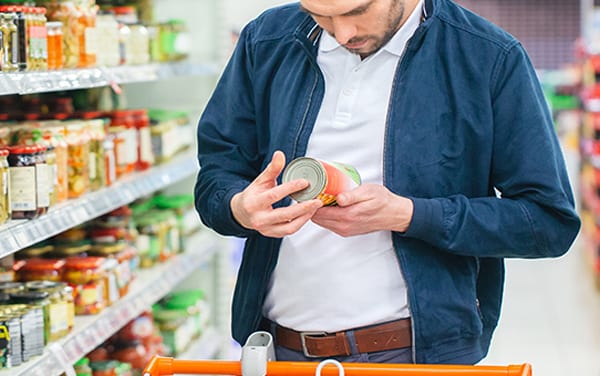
[(387, 336)]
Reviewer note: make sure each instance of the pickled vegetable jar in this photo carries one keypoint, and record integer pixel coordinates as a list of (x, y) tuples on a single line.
[(4, 198), (87, 277), (22, 180)]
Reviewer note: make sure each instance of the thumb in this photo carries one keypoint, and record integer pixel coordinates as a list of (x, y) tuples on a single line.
[(273, 169)]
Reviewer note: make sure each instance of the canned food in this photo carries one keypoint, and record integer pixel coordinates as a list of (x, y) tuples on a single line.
[(327, 179)]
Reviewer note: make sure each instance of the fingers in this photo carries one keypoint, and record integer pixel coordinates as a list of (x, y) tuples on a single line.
[(273, 169)]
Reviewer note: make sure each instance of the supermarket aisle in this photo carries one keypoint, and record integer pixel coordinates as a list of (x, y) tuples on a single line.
[(551, 313)]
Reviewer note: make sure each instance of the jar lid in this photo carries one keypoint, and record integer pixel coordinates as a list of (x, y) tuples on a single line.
[(22, 149), (40, 265), (4, 152), (41, 285), (80, 263), (29, 297), (14, 286)]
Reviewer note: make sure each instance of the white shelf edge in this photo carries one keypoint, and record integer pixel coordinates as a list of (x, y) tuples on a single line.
[(16, 235), (90, 331), (85, 78)]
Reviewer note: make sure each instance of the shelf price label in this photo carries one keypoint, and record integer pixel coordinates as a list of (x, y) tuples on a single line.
[(62, 359)]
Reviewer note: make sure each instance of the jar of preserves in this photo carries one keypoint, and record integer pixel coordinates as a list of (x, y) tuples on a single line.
[(52, 178), (57, 310), (111, 285), (78, 144), (119, 252), (37, 269), (55, 136), (22, 179), (5, 211), (87, 277), (68, 13), (42, 179), (145, 157), (54, 41), (152, 239), (21, 54), (127, 151), (139, 52), (97, 137), (10, 42), (63, 250), (110, 164), (88, 38), (108, 39)]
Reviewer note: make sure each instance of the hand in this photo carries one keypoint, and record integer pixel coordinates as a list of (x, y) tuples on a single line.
[(253, 207), (365, 209)]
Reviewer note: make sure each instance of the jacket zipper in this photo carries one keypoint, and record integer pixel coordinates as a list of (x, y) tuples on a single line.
[(385, 152)]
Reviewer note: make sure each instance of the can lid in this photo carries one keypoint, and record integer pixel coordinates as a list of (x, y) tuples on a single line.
[(309, 169)]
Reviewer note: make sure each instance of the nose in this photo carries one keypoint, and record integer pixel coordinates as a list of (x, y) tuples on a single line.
[(343, 29)]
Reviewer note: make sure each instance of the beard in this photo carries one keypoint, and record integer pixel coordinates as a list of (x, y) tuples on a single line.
[(393, 23)]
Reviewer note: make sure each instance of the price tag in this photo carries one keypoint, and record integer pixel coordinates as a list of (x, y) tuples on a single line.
[(61, 357)]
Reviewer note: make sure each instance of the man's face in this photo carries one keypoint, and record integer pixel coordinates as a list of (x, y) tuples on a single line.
[(361, 26)]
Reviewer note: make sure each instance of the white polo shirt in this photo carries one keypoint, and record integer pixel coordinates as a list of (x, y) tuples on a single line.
[(322, 281)]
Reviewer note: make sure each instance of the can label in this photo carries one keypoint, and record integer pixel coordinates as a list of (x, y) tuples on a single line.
[(327, 179)]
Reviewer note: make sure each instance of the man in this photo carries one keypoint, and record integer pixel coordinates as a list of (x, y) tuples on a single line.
[(442, 114)]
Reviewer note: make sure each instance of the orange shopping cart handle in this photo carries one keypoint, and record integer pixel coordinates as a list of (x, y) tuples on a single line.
[(163, 366)]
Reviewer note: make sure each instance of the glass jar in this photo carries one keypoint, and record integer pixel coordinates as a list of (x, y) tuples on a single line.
[(5, 212), (78, 144), (97, 136), (117, 251), (22, 181), (88, 38), (37, 269), (57, 310), (139, 52), (10, 42), (108, 39), (110, 164), (66, 12), (38, 46), (42, 179), (52, 178), (142, 125), (55, 136), (82, 367), (21, 57), (54, 41), (111, 285), (10, 346), (87, 277)]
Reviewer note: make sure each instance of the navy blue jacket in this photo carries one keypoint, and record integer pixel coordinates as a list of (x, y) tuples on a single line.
[(466, 118)]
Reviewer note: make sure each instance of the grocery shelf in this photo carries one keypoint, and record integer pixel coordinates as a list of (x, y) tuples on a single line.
[(18, 234), (85, 78), (149, 286)]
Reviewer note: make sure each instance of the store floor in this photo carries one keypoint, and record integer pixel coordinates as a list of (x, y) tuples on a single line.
[(550, 317), (551, 313)]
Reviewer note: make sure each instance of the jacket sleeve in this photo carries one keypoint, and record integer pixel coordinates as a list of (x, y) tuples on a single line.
[(227, 142), (533, 215)]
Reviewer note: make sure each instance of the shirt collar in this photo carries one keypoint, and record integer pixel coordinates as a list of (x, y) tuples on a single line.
[(394, 46)]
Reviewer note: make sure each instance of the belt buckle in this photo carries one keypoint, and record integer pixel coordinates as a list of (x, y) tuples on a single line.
[(303, 336)]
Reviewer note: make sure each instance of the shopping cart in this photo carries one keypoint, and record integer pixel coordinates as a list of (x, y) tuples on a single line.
[(258, 353)]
